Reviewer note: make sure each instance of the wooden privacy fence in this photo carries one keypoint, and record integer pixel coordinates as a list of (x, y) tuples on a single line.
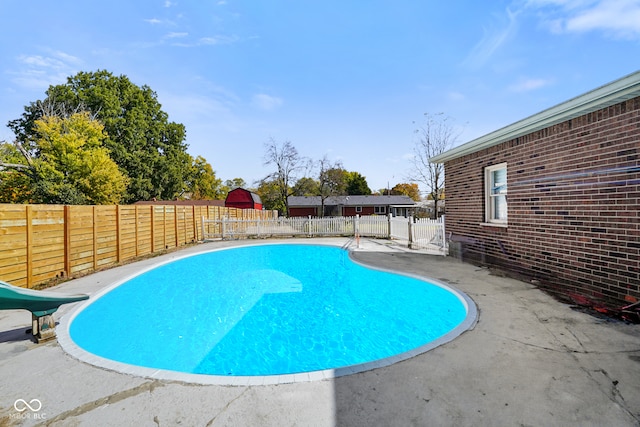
[(42, 242)]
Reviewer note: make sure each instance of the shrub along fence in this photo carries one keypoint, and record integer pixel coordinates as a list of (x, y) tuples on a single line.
[(42, 242)]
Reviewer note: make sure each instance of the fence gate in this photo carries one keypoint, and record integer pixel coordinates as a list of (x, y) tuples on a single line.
[(399, 227), (428, 233)]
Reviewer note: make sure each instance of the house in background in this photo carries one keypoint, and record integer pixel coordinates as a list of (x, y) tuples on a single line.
[(351, 206), (426, 209), (555, 197), (243, 199)]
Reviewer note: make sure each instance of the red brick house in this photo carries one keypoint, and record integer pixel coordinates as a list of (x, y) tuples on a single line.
[(243, 199), (555, 197), (351, 205)]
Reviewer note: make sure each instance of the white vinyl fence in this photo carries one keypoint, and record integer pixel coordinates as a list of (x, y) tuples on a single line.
[(426, 233), (399, 228), (418, 234)]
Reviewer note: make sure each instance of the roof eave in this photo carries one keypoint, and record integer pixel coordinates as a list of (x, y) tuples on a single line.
[(613, 93)]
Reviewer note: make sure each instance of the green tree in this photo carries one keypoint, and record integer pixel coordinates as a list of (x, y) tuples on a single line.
[(306, 186), (70, 165), (203, 183), (271, 196), (148, 148), (331, 179), (357, 184), (232, 184)]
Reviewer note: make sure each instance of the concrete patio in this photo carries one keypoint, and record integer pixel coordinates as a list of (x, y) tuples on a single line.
[(530, 360)]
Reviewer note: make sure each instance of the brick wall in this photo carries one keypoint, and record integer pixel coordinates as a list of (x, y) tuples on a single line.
[(573, 206), (365, 210)]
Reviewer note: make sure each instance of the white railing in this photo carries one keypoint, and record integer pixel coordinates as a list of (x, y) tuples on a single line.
[(331, 226), (421, 234), (373, 226), (427, 233)]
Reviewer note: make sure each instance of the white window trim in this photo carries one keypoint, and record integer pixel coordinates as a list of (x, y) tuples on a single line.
[(358, 209), (380, 210), (488, 211)]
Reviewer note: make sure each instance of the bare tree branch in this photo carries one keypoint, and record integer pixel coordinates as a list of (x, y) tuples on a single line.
[(24, 153), (13, 165), (436, 135), (284, 156), (52, 108)]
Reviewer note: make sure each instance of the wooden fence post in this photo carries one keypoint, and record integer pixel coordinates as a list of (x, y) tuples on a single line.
[(153, 243), (118, 236), (95, 238), (175, 223), (195, 224), (67, 240), (29, 221), (164, 227), (135, 228)]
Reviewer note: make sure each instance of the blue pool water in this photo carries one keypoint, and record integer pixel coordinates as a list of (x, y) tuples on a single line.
[(264, 310)]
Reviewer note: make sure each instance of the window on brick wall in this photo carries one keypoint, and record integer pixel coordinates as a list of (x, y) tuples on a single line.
[(380, 210), (496, 193), (358, 209)]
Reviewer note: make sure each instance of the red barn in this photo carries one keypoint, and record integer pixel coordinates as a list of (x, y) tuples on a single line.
[(243, 199)]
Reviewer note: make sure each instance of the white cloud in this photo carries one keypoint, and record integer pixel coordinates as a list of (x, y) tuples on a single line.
[(204, 41), (37, 80), (40, 71), (615, 18), (153, 21), (266, 102), (36, 61), (619, 17), (66, 58), (217, 40), (492, 40), (176, 35), (525, 85), (56, 60)]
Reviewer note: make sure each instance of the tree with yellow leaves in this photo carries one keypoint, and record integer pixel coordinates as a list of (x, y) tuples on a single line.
[(407, 189), (69, 164)]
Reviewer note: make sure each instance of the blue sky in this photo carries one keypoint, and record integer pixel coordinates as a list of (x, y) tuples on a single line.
[(347, 79)]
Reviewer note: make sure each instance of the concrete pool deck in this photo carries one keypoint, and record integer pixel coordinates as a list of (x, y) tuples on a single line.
[(530, 360)]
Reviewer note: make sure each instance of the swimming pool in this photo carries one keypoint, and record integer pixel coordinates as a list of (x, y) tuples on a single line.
[(275, 310)]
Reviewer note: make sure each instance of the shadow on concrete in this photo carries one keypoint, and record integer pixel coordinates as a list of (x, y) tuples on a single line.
[(16, 335)]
